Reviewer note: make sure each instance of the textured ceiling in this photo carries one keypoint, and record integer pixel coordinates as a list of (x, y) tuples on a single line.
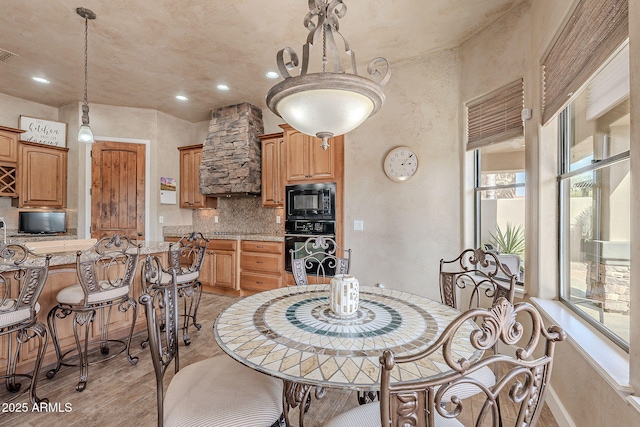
[(142, 53)]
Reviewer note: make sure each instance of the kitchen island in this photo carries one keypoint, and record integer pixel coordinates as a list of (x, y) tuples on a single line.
[(62, 273)]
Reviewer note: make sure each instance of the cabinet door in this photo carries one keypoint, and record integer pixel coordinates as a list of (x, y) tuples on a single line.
[(224, 269), (272, 185), (43, 176), (206, 273), (187, 196), (297, 156), (320, 160), (9, 146)]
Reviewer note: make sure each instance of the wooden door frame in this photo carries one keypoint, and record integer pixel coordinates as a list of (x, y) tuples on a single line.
[(147, 182)]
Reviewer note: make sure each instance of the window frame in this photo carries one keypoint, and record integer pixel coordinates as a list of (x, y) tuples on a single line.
[(564, 175)]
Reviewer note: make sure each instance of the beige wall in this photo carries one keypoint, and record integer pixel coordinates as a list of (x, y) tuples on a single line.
[(410, 226)]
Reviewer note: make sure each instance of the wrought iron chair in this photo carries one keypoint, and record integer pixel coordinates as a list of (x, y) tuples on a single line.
[(480, 273), (318, 260), (105, 272), (522, 383), (185, 257), (18, 314), (485, 279), (213, 392)]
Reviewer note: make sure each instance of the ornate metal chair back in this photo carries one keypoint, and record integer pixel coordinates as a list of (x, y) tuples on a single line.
[(108, 266), (318, 260), (474, 273), (160, 302), (187, 254), (29, 271), (521, 383)]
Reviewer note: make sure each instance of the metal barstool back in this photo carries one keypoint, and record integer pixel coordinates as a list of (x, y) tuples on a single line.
[(105, 274), (318, 260), (21, 281)]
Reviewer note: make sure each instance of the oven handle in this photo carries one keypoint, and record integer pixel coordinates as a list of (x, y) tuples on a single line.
[(310, 235)]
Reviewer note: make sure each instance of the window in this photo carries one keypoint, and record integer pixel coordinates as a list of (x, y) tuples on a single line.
[(595, 192), (496, 134), (500, 198)]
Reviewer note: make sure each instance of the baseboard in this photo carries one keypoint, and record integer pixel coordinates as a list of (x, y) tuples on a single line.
[(558, 410)]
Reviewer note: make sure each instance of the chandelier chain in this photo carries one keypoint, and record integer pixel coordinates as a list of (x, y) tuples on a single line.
[(86, 43)]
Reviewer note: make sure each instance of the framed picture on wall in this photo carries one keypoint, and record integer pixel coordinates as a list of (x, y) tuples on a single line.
[(42, 131)]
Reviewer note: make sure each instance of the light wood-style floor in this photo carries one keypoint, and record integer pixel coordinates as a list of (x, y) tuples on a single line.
[(119, 394)]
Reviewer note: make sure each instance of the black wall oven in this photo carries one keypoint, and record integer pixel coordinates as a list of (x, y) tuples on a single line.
[(298, 232), (310, 212)]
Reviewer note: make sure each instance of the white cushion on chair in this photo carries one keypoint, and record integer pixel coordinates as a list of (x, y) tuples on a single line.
[(462, 391), (75, 295), (13, 317), (221, 392), (165, 278), (369, 415)]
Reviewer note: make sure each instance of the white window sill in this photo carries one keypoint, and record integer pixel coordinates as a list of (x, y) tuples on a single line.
[(609, 360)]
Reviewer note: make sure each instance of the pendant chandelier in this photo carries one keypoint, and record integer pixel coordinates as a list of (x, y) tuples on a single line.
[(327, 103), (85, 135)]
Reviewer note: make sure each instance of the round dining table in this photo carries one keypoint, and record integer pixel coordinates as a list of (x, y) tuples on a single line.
[(291, 333)]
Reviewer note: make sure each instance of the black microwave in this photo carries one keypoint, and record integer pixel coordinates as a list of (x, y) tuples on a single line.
[(311, 201)]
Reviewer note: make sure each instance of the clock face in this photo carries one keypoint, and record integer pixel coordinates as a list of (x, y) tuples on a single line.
[(401, 164)]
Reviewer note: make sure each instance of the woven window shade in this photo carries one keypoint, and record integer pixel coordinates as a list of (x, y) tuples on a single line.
[(595, 29), (496, 117)]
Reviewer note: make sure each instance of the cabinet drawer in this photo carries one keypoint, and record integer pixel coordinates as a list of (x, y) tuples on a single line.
[(263, 247), (222, 245), (267, 263), (259, 282)]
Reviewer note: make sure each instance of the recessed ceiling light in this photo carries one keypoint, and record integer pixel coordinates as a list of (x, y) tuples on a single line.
[(40, 80), (222, 87), (181, 98), (272, 74)]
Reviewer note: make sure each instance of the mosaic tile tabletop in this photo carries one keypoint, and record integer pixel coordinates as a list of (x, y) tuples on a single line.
[(291, 333)]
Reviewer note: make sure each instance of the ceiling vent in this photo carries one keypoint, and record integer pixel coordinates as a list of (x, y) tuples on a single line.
[(5, 55)]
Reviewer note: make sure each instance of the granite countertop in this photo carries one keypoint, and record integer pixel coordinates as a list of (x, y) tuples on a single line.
[(179, 231), (69, 257)]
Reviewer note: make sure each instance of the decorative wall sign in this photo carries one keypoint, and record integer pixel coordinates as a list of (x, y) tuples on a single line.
[(43, 131), (168, 191)]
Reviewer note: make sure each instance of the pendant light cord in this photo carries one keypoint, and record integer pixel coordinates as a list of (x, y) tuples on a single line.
[(86, 73)]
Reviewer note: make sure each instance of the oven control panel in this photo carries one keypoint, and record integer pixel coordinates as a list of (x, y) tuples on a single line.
[(310, 227)]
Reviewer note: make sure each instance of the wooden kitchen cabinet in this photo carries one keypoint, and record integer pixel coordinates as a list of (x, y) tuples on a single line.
[(261, 266), (190, 196), (272, 158), (42, 176), (306, 161), (220, 265), (9, 161)]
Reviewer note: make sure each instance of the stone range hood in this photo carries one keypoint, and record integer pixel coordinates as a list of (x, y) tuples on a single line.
[(231, 155)]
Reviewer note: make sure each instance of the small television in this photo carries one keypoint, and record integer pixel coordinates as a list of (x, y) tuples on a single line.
[(42, 222)]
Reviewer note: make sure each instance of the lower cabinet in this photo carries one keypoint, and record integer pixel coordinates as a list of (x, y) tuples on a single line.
[(219, 266), (261, 266)]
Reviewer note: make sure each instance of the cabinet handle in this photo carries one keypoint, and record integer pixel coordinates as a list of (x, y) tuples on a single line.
[(260, 283), (260, 246), (259, 262)]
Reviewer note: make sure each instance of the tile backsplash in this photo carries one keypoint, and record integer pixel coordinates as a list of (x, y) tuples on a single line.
[(241, 215)]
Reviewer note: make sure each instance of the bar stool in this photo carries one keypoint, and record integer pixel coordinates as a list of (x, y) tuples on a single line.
[(105, 274), (185, 258), (18, 314)]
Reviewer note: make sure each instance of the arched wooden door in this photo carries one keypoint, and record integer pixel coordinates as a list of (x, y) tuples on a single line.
[(117, 189)]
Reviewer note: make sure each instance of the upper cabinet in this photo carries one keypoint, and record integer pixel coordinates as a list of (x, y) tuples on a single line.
[(190, 196), (42, 175), (8, 161), (272, 165), (307, 161)]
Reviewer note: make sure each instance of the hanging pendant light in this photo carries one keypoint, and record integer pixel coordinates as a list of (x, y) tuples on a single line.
[(326, 104), (85, 135)]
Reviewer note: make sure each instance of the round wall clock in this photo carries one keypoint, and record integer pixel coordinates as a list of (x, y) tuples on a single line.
[(400, 164)]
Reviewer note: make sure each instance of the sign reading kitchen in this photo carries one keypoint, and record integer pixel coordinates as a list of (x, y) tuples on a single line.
[(43, 131)]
